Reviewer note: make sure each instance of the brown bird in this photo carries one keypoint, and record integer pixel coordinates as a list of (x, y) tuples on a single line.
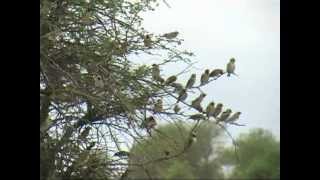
[(158, 107), (197, 117), (231, 66), (224, 115), (170, 80), (210, 109), (147, 41), (217, 110), (216, 72), (171, 35), (191, 81), (205, 77), (155, 71), (151, 122), (234, 117), (177, 87), (182, 95), (176, 108), (197, 102)]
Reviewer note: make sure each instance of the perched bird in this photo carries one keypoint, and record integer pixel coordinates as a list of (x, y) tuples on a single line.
[(85, 133), (197, 102), (176, 108), (98, 82), (216, 72), (177, 87), (191, 81), (158, 106), (231, 66), (160, 79), (147, 41), (170, 80), (234, 117), (182, 95), (171, 35), (224, 115), (217, 110), (155, 71), (122, 153), (150, 122), (210, 109), (205, 77), (197, 116)]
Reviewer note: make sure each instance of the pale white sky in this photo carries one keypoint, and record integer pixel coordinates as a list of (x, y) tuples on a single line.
[(216, 30)]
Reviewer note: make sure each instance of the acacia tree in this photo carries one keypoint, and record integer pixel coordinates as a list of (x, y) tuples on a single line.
[(93, 99)]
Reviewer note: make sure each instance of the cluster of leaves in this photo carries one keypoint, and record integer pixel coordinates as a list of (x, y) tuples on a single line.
[(92, 97)]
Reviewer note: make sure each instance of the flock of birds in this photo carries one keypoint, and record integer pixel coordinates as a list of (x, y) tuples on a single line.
[(212, 109)]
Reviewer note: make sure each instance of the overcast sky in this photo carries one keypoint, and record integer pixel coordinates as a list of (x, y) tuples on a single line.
[(216, 30)]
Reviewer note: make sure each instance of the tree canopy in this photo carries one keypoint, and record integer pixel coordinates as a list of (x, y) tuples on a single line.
[(198, 162), (259, 154)]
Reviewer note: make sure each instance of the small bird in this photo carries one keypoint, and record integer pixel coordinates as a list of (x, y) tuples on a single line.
[(205, 77), (197, 102), (182, 95), (231, 66), (85, 133), (122, 153), (177, 87), (161, 80), (176, 108), (234, 117), (171, 35), (147, 41), (155, 71), (170, 80), (224, 115), (191, 81), (98, 82), (216, 72), (210, 109), (217, 110), (158, 107), (197, 116), (150, 122)]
